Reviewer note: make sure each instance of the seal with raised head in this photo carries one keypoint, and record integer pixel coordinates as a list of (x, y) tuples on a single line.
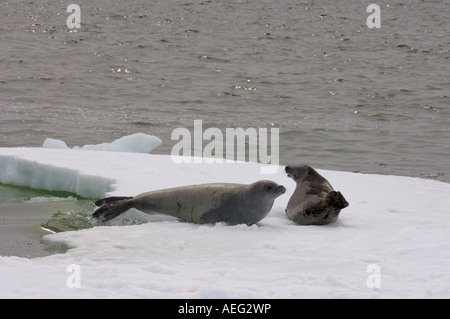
[(314, 201), (203, 204)]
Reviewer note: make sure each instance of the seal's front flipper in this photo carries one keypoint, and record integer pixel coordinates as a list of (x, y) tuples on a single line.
[(112, 209)]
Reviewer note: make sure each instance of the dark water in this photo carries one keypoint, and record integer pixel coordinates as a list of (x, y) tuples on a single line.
[(344, 96)]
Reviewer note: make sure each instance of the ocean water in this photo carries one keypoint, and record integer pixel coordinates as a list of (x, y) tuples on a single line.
[(343, 96)]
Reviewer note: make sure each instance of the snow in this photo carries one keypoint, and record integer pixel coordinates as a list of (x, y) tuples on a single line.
[(393, 241)]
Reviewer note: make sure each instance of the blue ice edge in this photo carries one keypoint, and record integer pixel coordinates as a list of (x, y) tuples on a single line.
[(29, 173)]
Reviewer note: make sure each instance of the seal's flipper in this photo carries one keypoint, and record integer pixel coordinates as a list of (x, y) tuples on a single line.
[(109, 200), (113, 209), (212, 216), (336, 200)]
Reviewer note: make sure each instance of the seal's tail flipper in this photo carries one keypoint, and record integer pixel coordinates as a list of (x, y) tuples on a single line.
[(109, 200), (337, 200), (112, 207)]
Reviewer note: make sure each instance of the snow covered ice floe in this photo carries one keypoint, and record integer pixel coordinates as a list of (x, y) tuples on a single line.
[(135, 143), (398, 226)]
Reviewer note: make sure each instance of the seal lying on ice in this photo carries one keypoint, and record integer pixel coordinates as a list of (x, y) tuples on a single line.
[(314, 201), (206, 203)]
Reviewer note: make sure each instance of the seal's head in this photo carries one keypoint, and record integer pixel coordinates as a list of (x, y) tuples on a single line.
[(301, 172), (251, 203), (271, 189)]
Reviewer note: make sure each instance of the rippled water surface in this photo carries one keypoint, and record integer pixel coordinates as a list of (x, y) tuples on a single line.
[(343, 96)]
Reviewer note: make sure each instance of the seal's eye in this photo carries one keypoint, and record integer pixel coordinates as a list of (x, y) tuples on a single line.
[(269, 187)]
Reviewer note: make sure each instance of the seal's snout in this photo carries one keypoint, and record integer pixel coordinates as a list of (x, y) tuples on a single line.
[(288, 170), (281, 189), (274, 189)]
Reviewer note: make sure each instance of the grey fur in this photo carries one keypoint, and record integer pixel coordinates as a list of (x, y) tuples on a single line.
[(206, 203), (314, 201)]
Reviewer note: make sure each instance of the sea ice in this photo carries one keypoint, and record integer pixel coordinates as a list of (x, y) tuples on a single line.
[(393, 241), (135, 143)]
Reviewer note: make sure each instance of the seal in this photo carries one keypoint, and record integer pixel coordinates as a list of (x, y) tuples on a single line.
[(203, 204), (314, 201)]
